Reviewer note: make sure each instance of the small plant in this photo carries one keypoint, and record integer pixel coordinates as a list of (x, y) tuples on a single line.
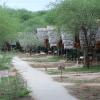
[(13, 88), (5, 61)]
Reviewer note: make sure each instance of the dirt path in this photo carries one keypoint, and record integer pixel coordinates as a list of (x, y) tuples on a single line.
[(41, 85)]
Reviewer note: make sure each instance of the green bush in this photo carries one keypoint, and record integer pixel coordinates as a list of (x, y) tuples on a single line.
[(12, 88), (5, 60)]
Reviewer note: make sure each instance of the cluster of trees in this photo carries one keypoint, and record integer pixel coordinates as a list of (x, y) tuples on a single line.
[(28, 41), (29, 20), (77, 16), (8, 25), (73, 16), (69, 15), (14, 21)]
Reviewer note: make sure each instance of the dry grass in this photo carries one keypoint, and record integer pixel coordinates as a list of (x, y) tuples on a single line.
[(84, 92)]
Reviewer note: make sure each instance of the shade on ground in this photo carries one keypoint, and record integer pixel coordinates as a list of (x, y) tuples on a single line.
[(41, 85)]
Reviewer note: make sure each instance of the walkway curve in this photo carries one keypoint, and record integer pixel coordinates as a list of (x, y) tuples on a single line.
[(41, 85)]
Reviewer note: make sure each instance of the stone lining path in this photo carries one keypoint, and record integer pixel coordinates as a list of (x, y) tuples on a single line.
[(41, 85), (7, 73)]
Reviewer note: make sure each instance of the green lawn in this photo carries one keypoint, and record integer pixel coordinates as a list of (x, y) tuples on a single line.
[(92, 69), (48, 59)]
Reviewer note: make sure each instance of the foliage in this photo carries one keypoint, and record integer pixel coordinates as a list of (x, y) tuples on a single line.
[(50, 17), (13, 21), (30, 20), (12, 88), (28, 40), (73, 13), (5, 61), (8, 25), (80, 16)]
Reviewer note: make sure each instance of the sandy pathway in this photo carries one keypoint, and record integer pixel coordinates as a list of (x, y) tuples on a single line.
[(41, 85)]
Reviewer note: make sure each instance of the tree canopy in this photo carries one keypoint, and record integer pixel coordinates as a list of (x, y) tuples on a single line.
[(73, 13), (8, 25)]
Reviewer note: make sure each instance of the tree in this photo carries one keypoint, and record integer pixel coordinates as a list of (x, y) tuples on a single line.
[(79, 15), (8, 25), (28, 41), (50, 17), (29, 21)]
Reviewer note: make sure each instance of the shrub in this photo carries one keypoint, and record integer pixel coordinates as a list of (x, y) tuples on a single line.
[(13, 88)]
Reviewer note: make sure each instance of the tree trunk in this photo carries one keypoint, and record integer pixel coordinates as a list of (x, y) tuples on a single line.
[(86, 48)]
